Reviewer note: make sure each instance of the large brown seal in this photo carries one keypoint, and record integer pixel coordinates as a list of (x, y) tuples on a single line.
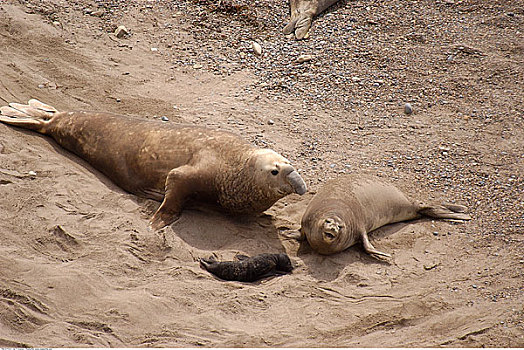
[(249, 269), (346, 209), (302, 14), (166, 162)]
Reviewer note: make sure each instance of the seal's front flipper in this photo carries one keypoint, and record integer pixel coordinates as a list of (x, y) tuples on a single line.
[(293, 234), (179, 184), (302, 26), (368, 247), (290, 27)]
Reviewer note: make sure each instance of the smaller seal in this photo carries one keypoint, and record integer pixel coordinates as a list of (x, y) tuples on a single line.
[(346, 209), (302, 14), (249, 269)]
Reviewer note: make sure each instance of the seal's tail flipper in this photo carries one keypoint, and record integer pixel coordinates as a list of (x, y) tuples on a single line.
[(34, 116), (446, 211)]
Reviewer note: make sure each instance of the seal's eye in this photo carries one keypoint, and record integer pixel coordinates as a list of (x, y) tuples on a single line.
[(274, 172)]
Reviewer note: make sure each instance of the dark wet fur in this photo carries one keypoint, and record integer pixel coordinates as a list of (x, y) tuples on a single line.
[(249, 269)]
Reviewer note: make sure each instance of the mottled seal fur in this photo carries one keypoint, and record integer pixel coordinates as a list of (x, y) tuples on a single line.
[(166, 162), (249, 269), (302, 14), (346, 209)]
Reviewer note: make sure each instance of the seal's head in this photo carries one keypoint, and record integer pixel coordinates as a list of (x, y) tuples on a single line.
[(328, 234), (276, 173), (283, 263)]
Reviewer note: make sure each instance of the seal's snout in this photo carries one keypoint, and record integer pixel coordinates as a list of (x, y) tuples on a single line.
[(296, 181)]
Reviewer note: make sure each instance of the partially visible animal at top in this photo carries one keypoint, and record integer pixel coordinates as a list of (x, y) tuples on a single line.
[(302, 14), (166, 162)]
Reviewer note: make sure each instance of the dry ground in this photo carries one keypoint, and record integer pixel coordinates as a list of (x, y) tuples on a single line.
[(79, 267)]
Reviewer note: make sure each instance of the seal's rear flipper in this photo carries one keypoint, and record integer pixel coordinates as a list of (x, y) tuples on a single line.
[(34, 116), (448, 211)]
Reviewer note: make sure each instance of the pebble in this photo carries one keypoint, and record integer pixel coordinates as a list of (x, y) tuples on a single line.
[(257, 49), (121, 31), (32, 173), (197, 66), (154, 49), (408, 109), (304, 58), (435, 233), (164, 118), (271, 122), (97, 13)]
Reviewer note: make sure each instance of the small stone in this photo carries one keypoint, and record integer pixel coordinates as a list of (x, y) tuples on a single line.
[(197, 66), (97, 13), (431, 266), (257, 49), (435, 233), (154, 49), (32, 173), (118, 100), (304, 58), (164, 118), (121, 31), (408, 109), (271, 122)]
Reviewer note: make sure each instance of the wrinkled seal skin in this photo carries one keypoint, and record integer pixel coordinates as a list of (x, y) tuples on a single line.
[(166, 162), (249, 269), (302, 14), (346, 209)]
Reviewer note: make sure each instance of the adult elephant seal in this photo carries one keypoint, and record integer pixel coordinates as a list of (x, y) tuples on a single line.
[(302, 14), (345, 210), (166, 162)]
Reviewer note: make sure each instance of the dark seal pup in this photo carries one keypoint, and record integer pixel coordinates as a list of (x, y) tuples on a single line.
[(249, 269), (166, 162), (346, 209), (302, 14)]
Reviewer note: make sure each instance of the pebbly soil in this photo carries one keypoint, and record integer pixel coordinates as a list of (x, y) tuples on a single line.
[(79, 266)]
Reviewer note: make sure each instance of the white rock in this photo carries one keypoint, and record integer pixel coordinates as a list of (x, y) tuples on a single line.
[(257, 49), (121, 31), (408, 109), (304, 58)]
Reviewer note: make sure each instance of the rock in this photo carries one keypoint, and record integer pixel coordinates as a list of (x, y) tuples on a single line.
[(121, 32), (164, 118), (97, 13), (304, 58), (32, 173), (154, 49), (408, 109), (257, 49), (197, 66), (271, 122)]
